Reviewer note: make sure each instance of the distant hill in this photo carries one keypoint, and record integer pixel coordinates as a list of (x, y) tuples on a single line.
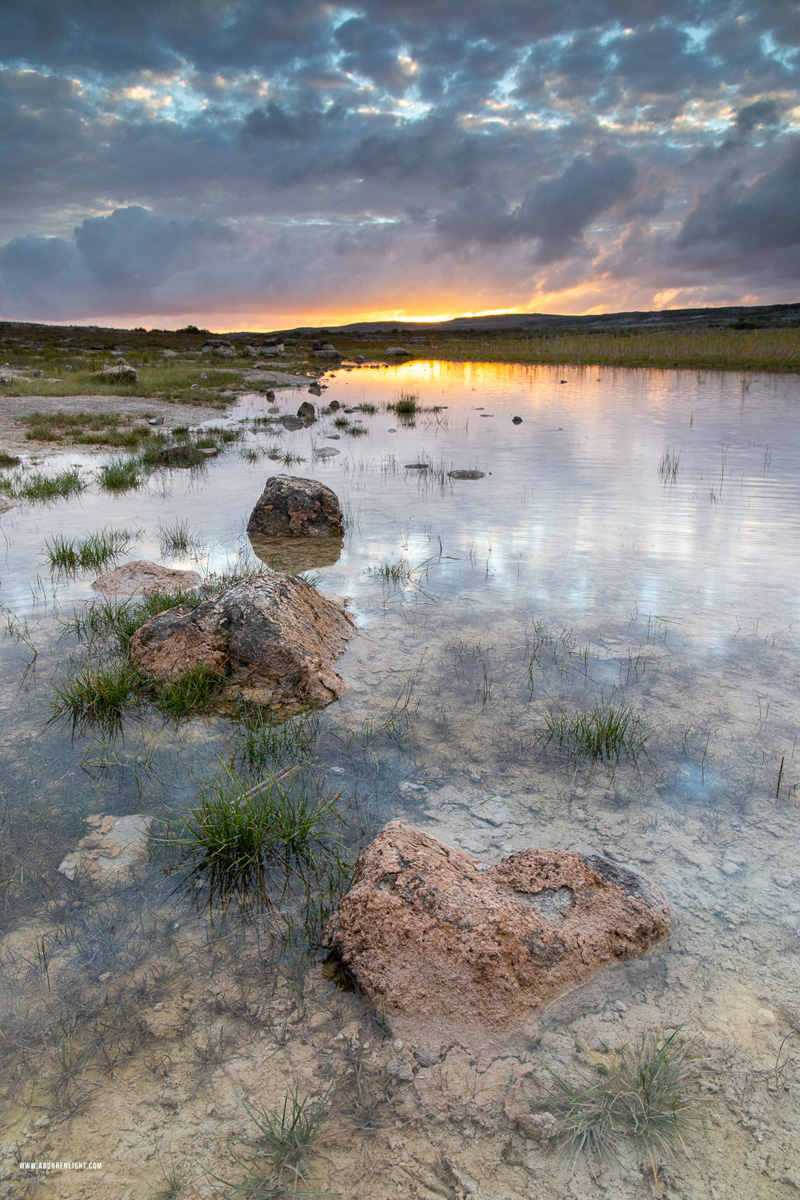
[(742, 316)]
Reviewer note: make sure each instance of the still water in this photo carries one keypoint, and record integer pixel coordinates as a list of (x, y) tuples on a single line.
[(633, 540)]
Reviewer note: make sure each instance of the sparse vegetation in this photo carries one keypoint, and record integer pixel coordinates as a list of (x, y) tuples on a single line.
[(85, 429), (94, 551), (37, 485), (640, 1094), (277, 1163), (668, 466), (606, 732), (178, 537)]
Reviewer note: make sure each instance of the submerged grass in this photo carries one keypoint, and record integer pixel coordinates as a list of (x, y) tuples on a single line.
[(261, 743), (640, 1096), (606, 732)]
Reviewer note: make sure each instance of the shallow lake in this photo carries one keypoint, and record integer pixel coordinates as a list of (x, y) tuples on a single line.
[(631, 544)]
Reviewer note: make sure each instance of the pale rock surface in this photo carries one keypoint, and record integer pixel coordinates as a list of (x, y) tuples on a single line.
[(110, 848), (426, 933), (141, 577), (273, 637)]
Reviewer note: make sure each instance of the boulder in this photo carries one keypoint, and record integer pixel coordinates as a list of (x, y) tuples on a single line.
[(109, 850), (141, 577), (395, 351), (325, 350), (306, 411), (273, 636), (293, 507), (426, 933), (121, 373)]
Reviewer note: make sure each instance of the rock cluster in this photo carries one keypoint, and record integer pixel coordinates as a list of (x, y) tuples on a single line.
[(273, 637), (426, 933)]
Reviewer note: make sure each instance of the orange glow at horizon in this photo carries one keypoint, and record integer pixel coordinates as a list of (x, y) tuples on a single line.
[(586, 299)]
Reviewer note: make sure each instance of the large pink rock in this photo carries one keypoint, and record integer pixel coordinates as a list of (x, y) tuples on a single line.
[(425, 932)]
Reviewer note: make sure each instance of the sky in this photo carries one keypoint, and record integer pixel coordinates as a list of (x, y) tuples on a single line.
[(247, 164)]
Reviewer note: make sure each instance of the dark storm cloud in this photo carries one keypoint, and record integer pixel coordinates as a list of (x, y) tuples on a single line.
[(518, 146), (555, 211), (737, 220)]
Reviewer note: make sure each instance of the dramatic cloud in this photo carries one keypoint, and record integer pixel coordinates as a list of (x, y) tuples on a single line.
[(197, 158)]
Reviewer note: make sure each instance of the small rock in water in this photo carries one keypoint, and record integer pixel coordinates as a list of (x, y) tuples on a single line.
[(466, 474), (516, 420), (141, 577)]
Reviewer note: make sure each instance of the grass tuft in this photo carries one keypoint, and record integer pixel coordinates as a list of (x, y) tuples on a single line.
[(238, 843), (178, 538), (119, 475), (39, 486), (96, 693), (95, 551), (641, 1096), (193, 692), (278, 1161)]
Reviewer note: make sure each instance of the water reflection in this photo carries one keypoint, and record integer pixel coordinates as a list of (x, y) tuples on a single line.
[(295, 555)]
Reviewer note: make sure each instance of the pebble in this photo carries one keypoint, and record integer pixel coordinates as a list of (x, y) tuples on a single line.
[(400, 1069), (765, 1016)]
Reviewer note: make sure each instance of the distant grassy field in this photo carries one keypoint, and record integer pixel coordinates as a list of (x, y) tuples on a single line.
[(65, 361), (706, 349)]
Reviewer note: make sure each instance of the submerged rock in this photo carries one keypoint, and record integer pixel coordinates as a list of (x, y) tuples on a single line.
[(274, 637), (466, 474), (109, 849), (291, 506), (425, 932), (141, 577)]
